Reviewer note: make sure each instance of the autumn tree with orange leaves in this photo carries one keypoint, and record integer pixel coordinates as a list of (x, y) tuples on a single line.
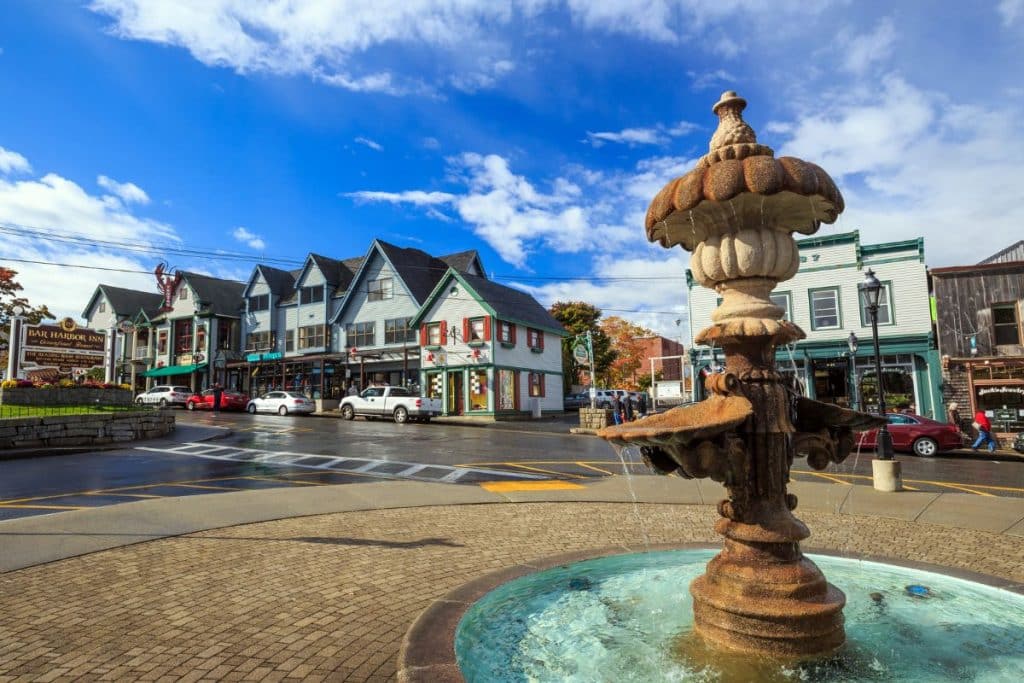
[(627, 341)]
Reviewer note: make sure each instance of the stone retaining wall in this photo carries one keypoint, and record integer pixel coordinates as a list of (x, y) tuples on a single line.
[(61, 396), (595, 418), (84, 430)]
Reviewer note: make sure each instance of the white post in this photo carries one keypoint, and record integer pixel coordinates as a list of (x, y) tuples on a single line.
[(654, 391), (111, 363), (14, 348)]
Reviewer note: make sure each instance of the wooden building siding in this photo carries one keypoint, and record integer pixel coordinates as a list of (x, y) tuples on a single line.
[(964, 300), (360, 309)]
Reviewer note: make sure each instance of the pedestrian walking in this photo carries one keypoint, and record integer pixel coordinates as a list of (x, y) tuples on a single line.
[(642, 404), (627, 408), (984, 428), (954, 418), (218, 391), (616, 409), (352, 391)]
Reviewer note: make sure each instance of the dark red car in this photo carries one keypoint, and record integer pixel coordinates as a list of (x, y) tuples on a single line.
[(229, 400), (916, 434)]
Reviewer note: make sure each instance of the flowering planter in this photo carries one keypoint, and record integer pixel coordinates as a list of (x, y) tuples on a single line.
[(65, 396)]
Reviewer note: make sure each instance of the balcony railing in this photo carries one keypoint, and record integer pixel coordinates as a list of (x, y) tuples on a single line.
[(142, 354)]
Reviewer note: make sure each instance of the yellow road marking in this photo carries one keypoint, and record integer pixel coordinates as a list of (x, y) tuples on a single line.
[(506, 486), (591, 467), (200, 486), (285, 481), (829, 477), (964, 488), (541, 470), (43, 507)]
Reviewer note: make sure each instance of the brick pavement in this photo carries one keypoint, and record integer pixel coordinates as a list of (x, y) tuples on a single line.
[(329, 597)]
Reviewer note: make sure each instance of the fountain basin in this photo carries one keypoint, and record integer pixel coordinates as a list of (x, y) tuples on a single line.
[(629, 617)]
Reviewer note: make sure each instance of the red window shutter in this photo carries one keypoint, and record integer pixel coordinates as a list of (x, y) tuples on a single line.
[(512, 334), (540, 339), (542, 377), (423, 335), (515, 399), (487, 328), (465, 329), (444, 333)]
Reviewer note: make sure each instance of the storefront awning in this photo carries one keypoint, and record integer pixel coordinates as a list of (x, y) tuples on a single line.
[(173, 370)]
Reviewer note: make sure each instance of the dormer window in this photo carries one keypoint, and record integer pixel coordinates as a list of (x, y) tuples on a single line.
[(102, 307), (183, 294), (259, 303), (378, 290)]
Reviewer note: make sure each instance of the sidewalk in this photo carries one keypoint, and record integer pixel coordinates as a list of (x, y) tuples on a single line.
[(323, 584)]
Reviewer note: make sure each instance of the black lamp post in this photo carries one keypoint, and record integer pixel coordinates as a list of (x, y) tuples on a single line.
[(872, 290)]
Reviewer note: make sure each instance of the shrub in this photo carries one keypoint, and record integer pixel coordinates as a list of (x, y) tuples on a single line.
[(66, 383), (9, 384)]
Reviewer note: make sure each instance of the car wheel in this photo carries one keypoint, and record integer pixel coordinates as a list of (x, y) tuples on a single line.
[(282, 410), (348, 413), (401, 415), (191, 405), (925, 447), (139, 402), (163, 403), (251, 408)]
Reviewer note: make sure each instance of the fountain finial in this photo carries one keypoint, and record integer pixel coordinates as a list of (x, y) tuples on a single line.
[(732, 129)]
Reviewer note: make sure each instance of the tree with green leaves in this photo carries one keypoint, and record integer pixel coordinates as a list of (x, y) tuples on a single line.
[(577, 317)]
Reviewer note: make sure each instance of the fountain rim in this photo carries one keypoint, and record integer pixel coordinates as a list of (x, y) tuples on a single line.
[(428, 648)]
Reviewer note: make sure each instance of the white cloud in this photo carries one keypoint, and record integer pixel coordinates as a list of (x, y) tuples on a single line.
[(12, 162), (78, 229), (859, 52), (657, 135), (719, 78), (1011, 11), (431, 143), (130, 193), (369, 143), (414, 197), (250, 239), (488, 72)]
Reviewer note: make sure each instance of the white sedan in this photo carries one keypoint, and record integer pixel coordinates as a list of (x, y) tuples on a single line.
[(282, 403)]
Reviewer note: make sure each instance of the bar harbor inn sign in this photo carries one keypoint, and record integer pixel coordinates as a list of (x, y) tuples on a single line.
[(61, 350)]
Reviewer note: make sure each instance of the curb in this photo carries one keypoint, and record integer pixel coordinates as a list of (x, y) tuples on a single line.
[(24, 454)]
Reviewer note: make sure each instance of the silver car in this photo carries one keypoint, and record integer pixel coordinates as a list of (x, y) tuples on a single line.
[(165, 395), (282, 403)]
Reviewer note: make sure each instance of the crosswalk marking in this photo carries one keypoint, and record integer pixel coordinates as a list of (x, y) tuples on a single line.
[(341, 464)]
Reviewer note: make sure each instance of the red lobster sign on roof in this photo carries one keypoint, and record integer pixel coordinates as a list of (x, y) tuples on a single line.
[(167, 284)]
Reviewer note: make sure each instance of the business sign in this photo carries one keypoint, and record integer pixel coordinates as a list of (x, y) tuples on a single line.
[(61, 349), (580, 353)]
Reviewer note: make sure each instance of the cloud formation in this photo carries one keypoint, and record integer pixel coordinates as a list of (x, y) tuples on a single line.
[(656, 135), (369, 143), (12, 162), (250, 239), (130, 193)]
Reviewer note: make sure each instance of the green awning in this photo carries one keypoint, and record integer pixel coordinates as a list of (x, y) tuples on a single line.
[(173, 370)]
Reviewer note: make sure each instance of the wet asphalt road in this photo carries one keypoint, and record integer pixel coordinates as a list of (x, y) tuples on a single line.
[(271, 451)]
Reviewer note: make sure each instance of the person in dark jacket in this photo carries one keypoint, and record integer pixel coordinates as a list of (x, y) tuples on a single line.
[(616, 409), (218, 391), (642, 404), (627, 408)]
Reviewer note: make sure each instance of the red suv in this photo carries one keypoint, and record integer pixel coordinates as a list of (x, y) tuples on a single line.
[(917, 434)]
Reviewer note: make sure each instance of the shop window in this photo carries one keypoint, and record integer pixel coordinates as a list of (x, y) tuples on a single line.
[(259, 303), (535, 339), (885, 316), (311, 295), (161, 341), (435, 385), (201, 339), (825, 309), (506, 333), (225, 334), (359, 335), (397, 331), (289, 341), (537, 384), (508, 398), (258, 341), (311, 337), (378, 290), (1004, 324), (478, 390), (183, 336), (784, 301)]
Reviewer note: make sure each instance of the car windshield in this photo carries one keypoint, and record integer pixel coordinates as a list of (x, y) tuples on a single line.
[(294, 395)]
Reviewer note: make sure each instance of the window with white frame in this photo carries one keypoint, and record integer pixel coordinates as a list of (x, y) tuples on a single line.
[(783, 301), (475, 329), (378, 290), (825, 308), (537, 384), (534, 338), (183, 293), (311, 337), (506, 332), (359, 335), (258, 303), (102, 307), (258, 341), (434, 334), (885, 316), (289, 341)]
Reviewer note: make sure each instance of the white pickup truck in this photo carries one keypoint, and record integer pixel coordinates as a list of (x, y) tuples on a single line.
[(393, 402)]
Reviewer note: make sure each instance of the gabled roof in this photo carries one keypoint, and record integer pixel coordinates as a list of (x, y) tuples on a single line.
[(125, 302), (281, 282), (222, 297), (463, 260), (504, 303)]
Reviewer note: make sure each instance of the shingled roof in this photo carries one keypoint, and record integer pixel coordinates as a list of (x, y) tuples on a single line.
[(224, 297), (506, 303), (461, 261), (419, 270), (127, 302), (281, 282)]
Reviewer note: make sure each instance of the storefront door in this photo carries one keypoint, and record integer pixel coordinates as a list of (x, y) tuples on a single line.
[(831, 381), (456, 396)]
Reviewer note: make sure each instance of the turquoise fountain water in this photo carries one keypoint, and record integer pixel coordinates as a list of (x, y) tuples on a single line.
[(623, 618)]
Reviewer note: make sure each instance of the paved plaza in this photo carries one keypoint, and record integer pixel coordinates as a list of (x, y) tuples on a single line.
[(322, 584)]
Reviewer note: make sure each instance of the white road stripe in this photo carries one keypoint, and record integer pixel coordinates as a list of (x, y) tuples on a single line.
[(412, 470)]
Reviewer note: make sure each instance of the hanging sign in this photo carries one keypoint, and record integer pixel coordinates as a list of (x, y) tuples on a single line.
[(580, 353)]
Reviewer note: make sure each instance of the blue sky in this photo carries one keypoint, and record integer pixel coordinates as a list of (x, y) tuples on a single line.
[(535, 131)]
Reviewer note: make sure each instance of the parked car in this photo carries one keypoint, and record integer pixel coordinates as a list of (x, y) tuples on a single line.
[(165, 395), (229, 400), (1018, 443), (916, 434), (576, 401), (394, 402), (282, 403)]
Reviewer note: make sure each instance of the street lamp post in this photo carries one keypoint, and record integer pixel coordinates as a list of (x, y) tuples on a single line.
[(14, 343), (885, 470), (852, 343)]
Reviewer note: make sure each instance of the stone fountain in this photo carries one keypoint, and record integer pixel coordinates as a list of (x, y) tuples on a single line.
[(736, 212)]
